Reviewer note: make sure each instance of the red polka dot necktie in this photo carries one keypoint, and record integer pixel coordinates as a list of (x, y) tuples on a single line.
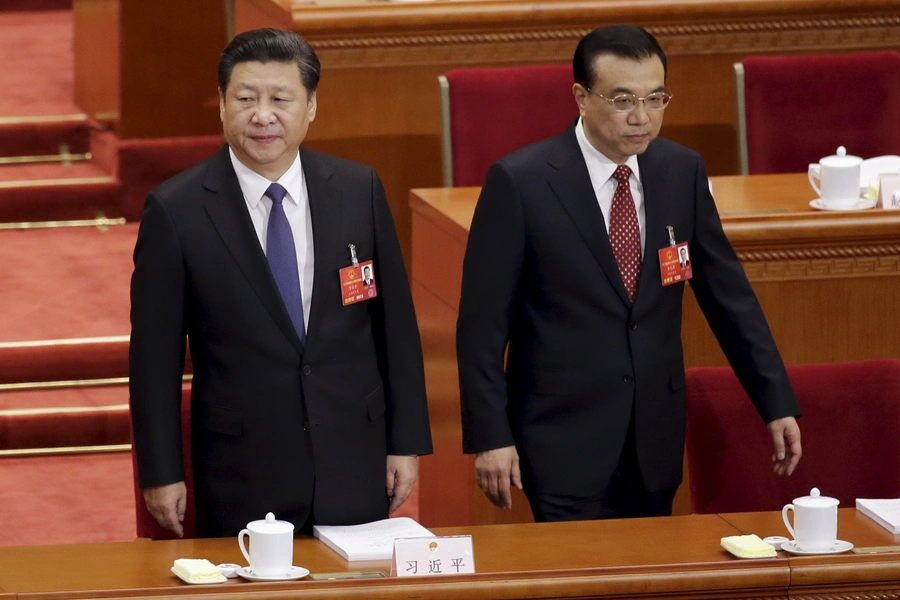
[(624, 232)]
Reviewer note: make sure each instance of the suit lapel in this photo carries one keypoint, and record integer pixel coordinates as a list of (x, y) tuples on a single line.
[(657, 204), (571, 183), (228, 212), (325, 211)]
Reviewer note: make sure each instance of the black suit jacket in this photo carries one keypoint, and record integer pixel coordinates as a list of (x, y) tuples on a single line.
[(276, 425), (540, 275)]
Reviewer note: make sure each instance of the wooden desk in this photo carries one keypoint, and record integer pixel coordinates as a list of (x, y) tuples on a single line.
[(829, 283), (674, 557)]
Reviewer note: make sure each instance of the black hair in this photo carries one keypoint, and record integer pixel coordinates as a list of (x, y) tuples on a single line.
[(270, 45), (624, 41)]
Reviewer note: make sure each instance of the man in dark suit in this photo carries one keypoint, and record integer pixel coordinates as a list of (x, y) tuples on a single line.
[(562, 272), (367, 276), (683, 259), (303, 403)]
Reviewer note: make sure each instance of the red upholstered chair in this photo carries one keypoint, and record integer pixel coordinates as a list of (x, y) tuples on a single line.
[(793, 110), (147, 527), (489, 113), (851, 449)]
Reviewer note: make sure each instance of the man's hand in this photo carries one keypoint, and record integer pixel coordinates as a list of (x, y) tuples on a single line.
[(167, 504), (402, 472), (495, 470), (786, 439)]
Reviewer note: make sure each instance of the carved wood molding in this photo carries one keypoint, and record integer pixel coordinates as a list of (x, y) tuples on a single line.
[(834, 267), (556, 41), (870, 595), (838, 252)]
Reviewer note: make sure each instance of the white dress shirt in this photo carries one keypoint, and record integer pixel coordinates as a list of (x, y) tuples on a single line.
[(601, 169), (296, 209)]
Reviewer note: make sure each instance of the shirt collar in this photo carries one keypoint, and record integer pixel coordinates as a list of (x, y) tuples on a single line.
[(255, 185), (599, 162)]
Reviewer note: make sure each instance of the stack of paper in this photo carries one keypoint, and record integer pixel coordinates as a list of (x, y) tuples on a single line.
[(369, 541), (884, 512)]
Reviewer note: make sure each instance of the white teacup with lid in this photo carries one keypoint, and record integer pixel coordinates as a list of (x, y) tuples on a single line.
[(836, 179), (815, 521), (271, 546)]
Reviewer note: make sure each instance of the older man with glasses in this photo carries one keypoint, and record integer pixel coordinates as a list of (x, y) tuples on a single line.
[(572, 273)]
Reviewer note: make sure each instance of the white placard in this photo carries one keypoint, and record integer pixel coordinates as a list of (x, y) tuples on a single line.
[(445, 555), (889, 185)]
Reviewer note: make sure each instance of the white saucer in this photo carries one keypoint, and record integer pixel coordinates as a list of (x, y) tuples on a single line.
[(223, 580), (861, 204), (836, 548), (294, 573)]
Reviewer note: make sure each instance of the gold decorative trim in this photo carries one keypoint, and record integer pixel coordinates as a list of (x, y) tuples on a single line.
[(53, 385), (73, 383), (43, 158), (61, 410), (102, 223), (55, 182), (111, 339), (64, 451), (42, 119)]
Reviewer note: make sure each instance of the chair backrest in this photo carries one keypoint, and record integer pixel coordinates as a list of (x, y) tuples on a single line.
[(488, 113), (147, 527), (851, 448), (793, 110)]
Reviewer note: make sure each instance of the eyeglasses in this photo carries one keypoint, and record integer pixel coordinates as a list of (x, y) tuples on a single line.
[(624, 103)]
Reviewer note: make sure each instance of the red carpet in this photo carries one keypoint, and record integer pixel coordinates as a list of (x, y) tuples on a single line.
[(42, 135), (65, 284), (66, 499), (37, 77)]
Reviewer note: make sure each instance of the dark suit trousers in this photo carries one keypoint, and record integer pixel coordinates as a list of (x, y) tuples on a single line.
[(624, 497)]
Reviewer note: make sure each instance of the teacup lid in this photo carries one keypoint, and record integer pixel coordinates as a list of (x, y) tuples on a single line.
[(841, 159), (816, 499), (270, 525)]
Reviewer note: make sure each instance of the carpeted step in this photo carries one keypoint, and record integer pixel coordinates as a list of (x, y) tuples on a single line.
[(44, 134), (35, 5), (65, 303), (47, 192), (79, 499), (37, 74), (67, 418)]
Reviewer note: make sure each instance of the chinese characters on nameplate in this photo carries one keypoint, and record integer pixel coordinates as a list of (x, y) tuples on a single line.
[(450, 555)]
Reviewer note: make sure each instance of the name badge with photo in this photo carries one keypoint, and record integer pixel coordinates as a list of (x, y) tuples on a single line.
[(675, 264), (358, 283)]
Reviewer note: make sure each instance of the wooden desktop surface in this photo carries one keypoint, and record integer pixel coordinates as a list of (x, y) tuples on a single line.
[(828, 282), (673, 557)]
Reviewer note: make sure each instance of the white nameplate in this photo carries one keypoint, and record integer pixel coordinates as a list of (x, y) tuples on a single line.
[(446, 555), (889, 190)]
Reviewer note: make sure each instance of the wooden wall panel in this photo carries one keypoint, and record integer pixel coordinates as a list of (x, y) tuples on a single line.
[(97, 60), (148, 69)]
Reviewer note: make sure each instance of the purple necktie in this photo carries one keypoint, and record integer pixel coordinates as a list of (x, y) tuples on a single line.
[(282, 256)]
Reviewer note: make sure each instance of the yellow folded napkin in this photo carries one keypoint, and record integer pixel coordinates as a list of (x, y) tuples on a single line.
[(197, 570), (748, 546)]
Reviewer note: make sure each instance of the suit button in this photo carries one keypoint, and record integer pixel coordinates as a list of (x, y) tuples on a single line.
[(306, 370), (628, 379), (632, 325)]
